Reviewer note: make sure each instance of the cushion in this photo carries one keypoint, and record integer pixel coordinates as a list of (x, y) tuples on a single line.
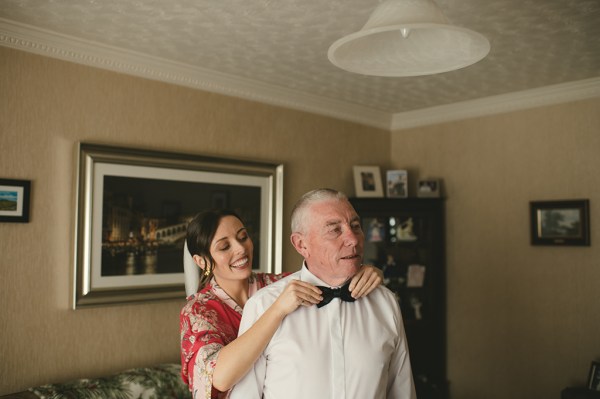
[(158, 382)]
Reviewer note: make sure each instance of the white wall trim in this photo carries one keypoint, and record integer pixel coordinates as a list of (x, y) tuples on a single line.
[(56, 45), (549, 95)]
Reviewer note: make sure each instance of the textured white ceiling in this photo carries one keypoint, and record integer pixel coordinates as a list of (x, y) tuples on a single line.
[(534, 43)]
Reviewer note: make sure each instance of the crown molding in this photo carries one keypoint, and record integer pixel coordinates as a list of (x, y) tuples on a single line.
[(51, 44), (549, 95)]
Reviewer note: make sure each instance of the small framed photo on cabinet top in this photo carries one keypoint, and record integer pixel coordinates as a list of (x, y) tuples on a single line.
[(367, 181), (397, 183), (428, 188)]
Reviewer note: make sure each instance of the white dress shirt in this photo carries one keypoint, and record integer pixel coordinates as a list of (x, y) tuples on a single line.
[(352, 350)]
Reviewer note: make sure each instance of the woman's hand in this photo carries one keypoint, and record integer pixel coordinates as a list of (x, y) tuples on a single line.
[(297, 293), (366, 280)]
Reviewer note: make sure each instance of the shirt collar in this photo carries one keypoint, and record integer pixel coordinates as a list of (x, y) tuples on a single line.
[(306, 275)]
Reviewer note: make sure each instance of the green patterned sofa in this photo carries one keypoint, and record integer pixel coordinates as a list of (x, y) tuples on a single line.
[(157, 382)]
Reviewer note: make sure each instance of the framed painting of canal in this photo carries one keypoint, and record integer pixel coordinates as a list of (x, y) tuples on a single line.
[(133, 207)]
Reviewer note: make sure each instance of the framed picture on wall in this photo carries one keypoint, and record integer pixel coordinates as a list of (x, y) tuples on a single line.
[(133, 208), (14, 200), (565, 222), (367, 181)]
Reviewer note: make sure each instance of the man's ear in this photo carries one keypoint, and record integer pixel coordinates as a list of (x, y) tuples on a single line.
[(299, 243), (200, 261)]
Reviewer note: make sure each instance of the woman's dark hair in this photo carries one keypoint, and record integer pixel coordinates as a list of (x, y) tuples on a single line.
[(200, 233)]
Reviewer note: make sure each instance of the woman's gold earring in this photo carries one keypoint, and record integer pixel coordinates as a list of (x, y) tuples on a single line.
[(207, 271)]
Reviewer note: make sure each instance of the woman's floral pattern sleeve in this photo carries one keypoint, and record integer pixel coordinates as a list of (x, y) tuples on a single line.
[(201, 343), (209, 321)]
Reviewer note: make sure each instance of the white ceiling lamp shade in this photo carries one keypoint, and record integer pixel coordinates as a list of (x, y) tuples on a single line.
[(408, 38)]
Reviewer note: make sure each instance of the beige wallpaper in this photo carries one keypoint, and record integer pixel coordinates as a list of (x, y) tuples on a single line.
[(523, 321), (46, 107)]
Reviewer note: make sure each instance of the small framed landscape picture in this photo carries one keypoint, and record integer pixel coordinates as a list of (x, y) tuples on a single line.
[(397, 183), (367, 181), (428, 188), (560, 222), (14, 200), (594, 377)]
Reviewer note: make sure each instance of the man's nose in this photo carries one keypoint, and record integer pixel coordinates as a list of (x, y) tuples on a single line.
[(351, 237)]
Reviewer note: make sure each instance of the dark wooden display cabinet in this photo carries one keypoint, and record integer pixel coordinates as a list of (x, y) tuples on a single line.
[(405, 238)]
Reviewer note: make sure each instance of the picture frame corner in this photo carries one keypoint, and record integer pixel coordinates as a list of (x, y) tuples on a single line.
[(593, 382)]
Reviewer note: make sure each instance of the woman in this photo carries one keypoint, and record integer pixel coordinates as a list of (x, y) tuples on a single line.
[(212, 358)]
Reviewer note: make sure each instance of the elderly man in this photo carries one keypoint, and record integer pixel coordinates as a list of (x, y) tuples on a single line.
[(340, 348)]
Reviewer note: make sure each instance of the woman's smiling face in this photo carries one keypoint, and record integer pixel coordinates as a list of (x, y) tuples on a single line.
[(231, 249)]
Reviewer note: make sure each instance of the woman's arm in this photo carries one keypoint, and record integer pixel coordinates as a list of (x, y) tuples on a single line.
[(366, 280), (236, 359)]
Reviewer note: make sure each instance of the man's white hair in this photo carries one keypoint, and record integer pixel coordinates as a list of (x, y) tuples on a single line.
[(299, 213)]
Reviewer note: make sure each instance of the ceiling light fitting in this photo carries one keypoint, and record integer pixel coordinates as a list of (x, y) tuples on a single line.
[(408, 38)]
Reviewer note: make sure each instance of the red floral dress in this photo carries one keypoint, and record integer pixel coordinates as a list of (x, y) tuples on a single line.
[(209, 321)]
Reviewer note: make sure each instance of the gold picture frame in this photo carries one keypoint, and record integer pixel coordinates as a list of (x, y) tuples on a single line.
[(133, 206)]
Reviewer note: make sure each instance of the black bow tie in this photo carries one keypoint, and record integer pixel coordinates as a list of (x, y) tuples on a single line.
[(329, 293)]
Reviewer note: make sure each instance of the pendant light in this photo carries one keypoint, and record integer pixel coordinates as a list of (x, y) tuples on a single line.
[(408, 38)]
